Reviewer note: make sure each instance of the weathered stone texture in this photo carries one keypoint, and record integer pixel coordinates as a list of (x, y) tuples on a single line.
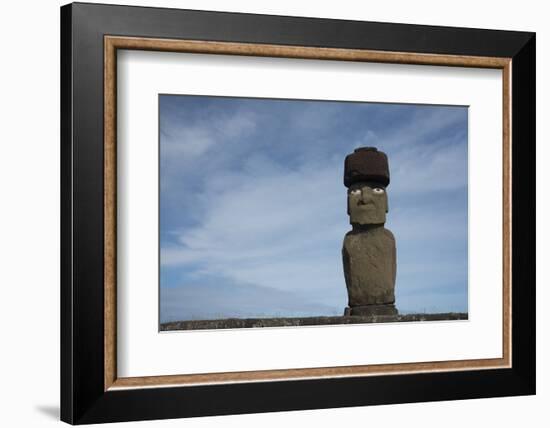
[(371, 310), (305, 321), (370, 266), (368, 253)]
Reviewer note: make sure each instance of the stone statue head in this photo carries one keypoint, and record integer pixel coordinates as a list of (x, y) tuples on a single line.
[(366, 175), (367, 203)]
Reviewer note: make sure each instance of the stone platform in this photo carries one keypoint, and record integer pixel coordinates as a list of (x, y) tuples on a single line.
[(307, 321)]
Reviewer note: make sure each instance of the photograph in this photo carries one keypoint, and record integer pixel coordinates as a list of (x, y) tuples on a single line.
[(282, 212), (294, 212)]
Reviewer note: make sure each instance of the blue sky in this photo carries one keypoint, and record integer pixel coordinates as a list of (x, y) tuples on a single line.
[(253, 206)]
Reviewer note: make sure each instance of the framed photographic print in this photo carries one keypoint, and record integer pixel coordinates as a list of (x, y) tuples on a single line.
[(265, 213)]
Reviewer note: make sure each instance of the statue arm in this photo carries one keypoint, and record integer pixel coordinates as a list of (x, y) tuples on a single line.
[(394, 261), (393, 255)]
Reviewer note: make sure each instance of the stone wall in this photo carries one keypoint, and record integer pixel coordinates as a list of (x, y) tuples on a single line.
[(306, 321)]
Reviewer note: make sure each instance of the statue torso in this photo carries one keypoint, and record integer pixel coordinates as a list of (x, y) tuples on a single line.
[(369, 266)]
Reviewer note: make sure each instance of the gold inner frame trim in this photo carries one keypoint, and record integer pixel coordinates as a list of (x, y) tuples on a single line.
[(113, 43)]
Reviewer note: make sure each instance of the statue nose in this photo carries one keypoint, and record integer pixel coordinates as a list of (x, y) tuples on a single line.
[(366, 198)]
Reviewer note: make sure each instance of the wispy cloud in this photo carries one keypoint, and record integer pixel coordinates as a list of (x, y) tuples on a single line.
[(252, 197), (234, 300)]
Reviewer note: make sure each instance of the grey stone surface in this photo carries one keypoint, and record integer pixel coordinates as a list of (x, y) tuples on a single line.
[(369, 310), (367, 203), (306, 321), (369, 258)]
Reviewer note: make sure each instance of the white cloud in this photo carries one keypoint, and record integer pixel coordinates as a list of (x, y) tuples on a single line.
[(237, 300), (185, 142), (279, 226), (271, 230), (428, 168)]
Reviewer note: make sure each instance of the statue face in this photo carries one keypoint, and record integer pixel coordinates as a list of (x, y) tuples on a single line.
[(367, 203)]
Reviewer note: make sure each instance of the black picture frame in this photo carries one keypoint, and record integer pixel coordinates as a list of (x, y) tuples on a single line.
[(83, 396)]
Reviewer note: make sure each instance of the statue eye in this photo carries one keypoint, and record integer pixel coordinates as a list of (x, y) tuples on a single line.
[(355, 192), (378, 190)]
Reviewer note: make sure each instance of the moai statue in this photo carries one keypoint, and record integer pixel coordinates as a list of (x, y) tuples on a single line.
[(369, 248)]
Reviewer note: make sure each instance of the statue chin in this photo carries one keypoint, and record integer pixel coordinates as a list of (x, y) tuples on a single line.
[(369, 221)]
